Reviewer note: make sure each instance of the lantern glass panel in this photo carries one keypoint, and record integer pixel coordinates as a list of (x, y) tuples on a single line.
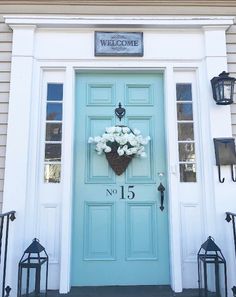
[(34, 279), (29, 288), (227, 90), (219, 91), (43, 279), (213, 285)]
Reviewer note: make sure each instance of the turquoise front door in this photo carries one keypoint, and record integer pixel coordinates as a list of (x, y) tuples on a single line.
[(120, 235)]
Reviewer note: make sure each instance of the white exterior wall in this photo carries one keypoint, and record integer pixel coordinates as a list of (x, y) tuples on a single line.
[(187, 50)]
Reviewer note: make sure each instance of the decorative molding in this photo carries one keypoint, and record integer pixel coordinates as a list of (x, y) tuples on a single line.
[(97, 168), (49, 220), (144, 166), (54, 21), (144, 96), (190, 212), (105, 94), (144, 248), (99, 242)]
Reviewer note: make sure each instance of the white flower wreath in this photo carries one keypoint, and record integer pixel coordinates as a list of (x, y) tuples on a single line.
[(121, 139)]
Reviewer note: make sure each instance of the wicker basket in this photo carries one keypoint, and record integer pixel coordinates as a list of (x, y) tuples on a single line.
[(118, 163)]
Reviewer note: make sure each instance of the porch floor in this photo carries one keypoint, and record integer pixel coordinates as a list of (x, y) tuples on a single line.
[(125, 291)]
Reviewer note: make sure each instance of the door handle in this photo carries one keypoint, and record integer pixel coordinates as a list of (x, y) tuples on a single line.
[(161, 189)]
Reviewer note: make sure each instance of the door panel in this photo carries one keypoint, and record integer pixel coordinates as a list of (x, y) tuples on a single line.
[(141, 247), (99, 241), (120, 236)]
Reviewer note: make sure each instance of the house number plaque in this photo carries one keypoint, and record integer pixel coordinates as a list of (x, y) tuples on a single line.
[(123, 192), (119, 44)]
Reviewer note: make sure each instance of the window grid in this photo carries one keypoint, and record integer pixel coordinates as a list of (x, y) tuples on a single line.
[(53, 133), (185, 127)]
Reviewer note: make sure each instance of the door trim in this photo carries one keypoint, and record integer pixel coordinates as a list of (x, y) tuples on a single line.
[(171, 157)]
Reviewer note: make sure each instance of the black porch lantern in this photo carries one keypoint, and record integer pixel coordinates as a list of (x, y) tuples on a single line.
[(223, 88), (33, 271), (211, 269)]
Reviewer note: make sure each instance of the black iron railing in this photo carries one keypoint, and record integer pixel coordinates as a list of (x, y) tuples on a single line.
[(5, 219), (231, 217)]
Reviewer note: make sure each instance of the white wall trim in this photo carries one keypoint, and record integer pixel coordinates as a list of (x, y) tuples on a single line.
[(173, 204), (17, 185), (67, 180), (134, 21)]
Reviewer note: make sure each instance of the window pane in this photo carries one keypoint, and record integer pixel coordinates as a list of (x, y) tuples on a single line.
[(186, 152), (55, 92), (185, 131), (54, 111), (187, 172), (184, 111), (52, 152), (184, 92), (53, 132), (52, 173)]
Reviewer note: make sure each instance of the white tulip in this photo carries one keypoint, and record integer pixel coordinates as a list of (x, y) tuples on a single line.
[(120, 152), (101, 145), (110, 129), (111, 138), (90, 140), (128, 142), (126, 129), (97, 139), (134, 150), (99, 151), (118, 129), (129, 152), (136, 132), (118, 139), (107, 149), (133, 142)]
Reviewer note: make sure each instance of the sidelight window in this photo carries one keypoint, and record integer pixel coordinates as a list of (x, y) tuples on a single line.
[(53, 133), (186, 139)]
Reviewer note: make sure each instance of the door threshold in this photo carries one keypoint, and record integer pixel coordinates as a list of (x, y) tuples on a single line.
[(125, 291)]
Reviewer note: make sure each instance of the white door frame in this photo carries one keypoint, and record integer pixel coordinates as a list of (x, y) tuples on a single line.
[(24, 83)]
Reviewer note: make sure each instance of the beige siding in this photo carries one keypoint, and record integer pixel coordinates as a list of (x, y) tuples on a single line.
[(5, 66), (191, 3), (231, 51), (113, 7), (159, 7)]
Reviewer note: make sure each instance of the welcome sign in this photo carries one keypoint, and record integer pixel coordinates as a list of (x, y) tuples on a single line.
[(119, 44)]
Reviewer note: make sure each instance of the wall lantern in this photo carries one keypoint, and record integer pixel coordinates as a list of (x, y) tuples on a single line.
[(223, 88), (33, 271), (211, 265)]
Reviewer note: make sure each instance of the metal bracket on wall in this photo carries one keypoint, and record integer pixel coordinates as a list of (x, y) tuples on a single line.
[(219, 175), (232, 173), (225, 155)]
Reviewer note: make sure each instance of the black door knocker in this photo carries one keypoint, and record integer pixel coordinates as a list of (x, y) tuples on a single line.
[(120, 111)]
